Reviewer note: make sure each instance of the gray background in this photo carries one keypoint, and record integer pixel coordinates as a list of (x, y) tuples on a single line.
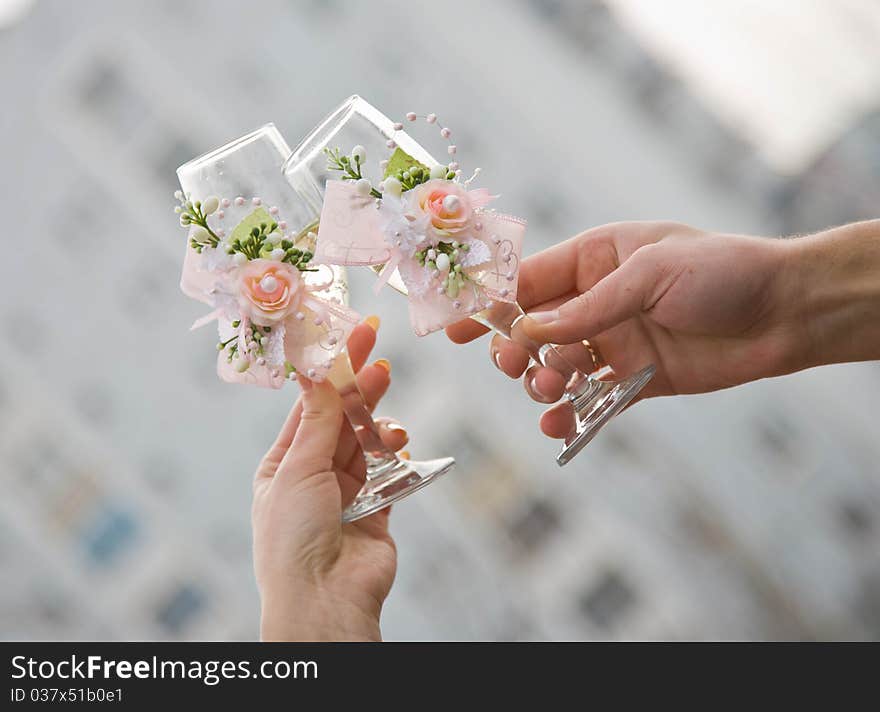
[(126, 465)]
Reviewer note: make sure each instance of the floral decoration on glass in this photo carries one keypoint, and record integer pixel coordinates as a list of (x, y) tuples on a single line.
[(272, 323), (455, 256)]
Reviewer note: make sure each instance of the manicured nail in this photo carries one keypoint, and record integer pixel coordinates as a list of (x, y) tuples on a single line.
[(384, 363), (404, 454), (373, 321), (496, 357), (544, 317)]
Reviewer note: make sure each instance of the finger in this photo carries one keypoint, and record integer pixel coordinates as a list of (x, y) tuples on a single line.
[(269, 464), (361, 341), (621, 295), (393, 434), (508, 357), (544, 385), (314, 443), (557, 421), (466, 330), (372, 382)]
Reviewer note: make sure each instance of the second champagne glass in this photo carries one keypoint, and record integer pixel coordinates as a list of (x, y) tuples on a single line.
[(248, 169), (356, 122)]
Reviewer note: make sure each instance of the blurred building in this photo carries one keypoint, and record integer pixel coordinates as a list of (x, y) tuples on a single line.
[(126, 464)]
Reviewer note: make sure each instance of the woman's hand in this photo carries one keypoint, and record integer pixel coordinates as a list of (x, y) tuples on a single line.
[(320, 579), (709, 310)]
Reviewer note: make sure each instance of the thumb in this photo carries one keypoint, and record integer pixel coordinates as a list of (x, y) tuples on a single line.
[(617, 297), (317, 436)]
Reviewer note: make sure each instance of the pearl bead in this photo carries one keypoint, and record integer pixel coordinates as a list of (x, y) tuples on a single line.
[(451, 150), (239, 201), (390, 143), (275, 373), (273, 210), (318, 321), (299, 316), (451, 203), (225, 202), (332, 341), (398, 126), (221, 232), (261, 361), (478, 226), (442, 262), (445, 132), (510, 276), (257, 201), (456, 304), (441, 290), (504, 292), (431, 118), (311, 373), (453, 166), (411, 116), (268, 283), (221, 214), (282, 225)]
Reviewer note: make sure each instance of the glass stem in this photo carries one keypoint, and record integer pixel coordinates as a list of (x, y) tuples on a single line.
[(380, 458), (505, 318)]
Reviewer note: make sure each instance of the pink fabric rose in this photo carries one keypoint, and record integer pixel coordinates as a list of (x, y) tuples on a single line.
[(268, 292), (446, 203)]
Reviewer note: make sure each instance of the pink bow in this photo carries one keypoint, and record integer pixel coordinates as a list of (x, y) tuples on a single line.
[(395, 231)]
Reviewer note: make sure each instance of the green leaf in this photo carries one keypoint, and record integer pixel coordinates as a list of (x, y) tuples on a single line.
[(400, 161), (243, 230)]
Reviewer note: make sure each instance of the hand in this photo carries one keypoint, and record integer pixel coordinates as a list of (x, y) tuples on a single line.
[(320, 579), (709, 310)]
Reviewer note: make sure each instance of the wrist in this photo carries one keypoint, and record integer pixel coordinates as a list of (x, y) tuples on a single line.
[(832, 286), (316, 616)]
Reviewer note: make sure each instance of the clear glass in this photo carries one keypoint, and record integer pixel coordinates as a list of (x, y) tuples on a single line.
[(251, 166), (594, 401)]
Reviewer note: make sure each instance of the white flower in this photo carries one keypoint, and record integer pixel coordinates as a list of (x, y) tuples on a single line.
[(402, 230), (273, 347), (359, 154), (478, 253)]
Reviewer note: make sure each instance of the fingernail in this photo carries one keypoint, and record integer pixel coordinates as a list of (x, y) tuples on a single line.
[(304, 383), (404, 454), (396, 428), (384, 363), (373, 321), (544, 317), (533, 385), (496, 357)]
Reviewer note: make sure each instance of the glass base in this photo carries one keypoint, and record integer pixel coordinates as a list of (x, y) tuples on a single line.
[(597, 406), (403, 479)]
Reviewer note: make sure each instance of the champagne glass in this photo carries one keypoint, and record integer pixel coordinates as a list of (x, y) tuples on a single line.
[(250, 167), (594, 401)]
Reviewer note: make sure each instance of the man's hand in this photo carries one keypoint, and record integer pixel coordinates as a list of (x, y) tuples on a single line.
[(709, 310)]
